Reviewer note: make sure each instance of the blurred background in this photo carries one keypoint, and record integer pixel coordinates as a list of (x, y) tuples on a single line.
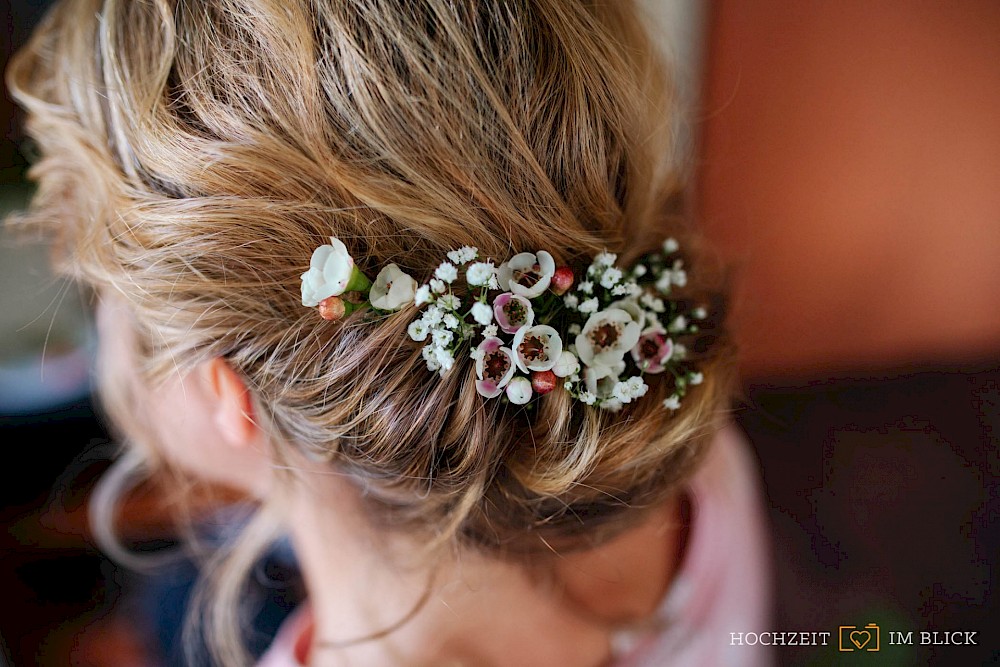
[(846, 162)]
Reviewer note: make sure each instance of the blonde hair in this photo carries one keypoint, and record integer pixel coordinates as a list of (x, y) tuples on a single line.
[(195, 153)]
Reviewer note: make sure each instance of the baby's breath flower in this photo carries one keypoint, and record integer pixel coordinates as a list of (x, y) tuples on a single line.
[(482, 313), (442, 337), (672, 403), (571, 301), (437, 285), (422, 295), (433, 315), (450, 321), (417, 330), (450, 301), (611, 277), (490, 331), (679, 324), (588, 397), (639, 270), (589, 306), (670, 246), (446, 272), (699, 313), (480, 273), (463, 254), (586, 287), (605, 259), (696, 378)]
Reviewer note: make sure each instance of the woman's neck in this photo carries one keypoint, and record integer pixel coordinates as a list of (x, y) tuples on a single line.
[(475, 606)]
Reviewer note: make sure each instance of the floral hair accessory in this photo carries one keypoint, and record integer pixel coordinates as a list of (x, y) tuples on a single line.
[(539, 329)]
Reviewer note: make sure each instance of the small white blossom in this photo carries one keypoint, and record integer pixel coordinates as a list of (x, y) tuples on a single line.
[(571, 301), (494, 282), (639, 270), (430, 356), (679, 277), (480, 274), (450, 301), (446, 272), (422, 295), (653, 303), (568, 385), (636, 387), (450, 321), (621, 290), (589, 306), (586, 287), (574, 329), (699, 313), (612, 405), (417, 330), (438, 286), (605, 259), (482, 313), (444, 359), (490, 331), (679, 352), (588, 397), (670, 246), (463, 254), (672, 403), (679, 324), (611, 277), (433, 315), (621, 392), (663, 282), (696, 378), (442, 337)]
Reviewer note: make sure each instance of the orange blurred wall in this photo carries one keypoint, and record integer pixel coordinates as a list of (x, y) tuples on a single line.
[(850, 167)]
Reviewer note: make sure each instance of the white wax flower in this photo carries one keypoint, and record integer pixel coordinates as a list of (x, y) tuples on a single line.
[(329, 272), (527, 274), (392, 289), (606, 337), (536, 348)]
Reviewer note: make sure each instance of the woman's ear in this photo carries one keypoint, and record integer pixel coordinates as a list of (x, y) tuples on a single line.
[(233, 411)]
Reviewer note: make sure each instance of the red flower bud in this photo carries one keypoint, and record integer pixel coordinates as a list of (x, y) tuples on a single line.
[(562, 280), (543, 381), (332, 308)]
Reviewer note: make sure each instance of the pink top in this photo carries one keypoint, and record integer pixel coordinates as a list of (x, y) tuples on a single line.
[(723, 585)]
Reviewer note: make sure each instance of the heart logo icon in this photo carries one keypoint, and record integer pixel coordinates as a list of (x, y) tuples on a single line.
[(860, 638)]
